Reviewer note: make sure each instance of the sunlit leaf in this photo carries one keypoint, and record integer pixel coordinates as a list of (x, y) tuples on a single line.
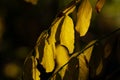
[(67, 34), (34, 2), (48, 57), (84, 59), (107, 50), (84, 16), (99, 68), (39, 47), (61, 57), (35, 72), (99, 5), (54, 28)]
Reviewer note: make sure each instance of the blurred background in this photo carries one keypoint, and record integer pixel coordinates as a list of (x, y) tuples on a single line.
[(22, 21)]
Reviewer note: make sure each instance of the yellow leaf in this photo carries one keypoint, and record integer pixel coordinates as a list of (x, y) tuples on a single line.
[(54, 28), (67, 34), (34, 2), (48, 57), (88, 51), (99, 68), (84, 59), (61, 57), (35, 71), (40, 43), (84, 16), (83, 69), (99, 5)]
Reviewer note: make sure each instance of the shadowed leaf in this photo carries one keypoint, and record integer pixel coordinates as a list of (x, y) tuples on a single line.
[(107, 50), (84, 59), (99, 68), (30, 69)]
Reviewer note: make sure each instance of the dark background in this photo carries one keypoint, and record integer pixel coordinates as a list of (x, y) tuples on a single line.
[(22, 22)]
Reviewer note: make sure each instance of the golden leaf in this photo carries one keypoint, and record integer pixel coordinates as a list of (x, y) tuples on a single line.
[(99, 5), (35, 71), (84, 16), (48, 57), (83, 69), (34, 2), (88, 51), (67, 34), (40, 43), (54, 28), (61, 57), (84, 59), (99, 68)]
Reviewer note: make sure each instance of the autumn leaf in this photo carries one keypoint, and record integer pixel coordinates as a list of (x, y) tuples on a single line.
[(54, 28), (48, 57), (84, 59), (88, 51), (67, 34), (61, 57), (39, 47), (99, 5), (84, 16)]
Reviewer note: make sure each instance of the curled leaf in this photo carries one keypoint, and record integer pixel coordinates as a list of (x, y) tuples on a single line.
[(84, 16), (48, 57), (99, 5), (61, 57), (67, 34)]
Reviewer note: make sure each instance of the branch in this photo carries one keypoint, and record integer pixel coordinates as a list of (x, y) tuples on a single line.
[(79, 52)]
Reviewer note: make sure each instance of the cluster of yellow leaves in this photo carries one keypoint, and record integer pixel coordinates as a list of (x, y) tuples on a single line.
[(53, 49)]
